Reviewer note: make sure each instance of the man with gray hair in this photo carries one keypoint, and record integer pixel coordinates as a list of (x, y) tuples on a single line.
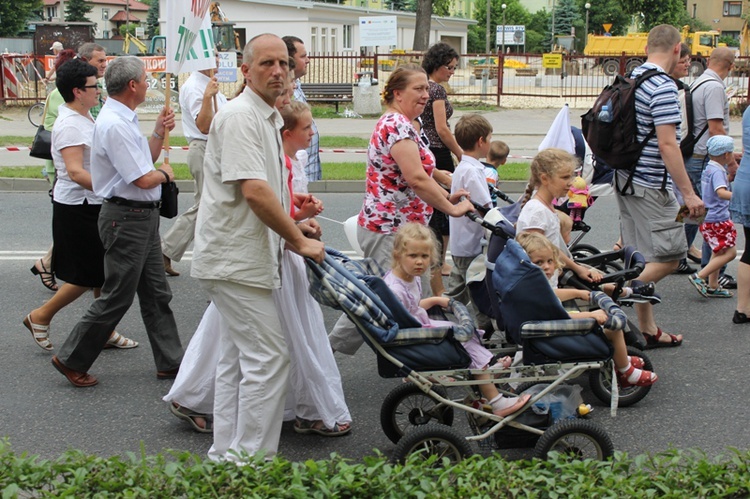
[(123, 175), (648, 209), (96, 55)]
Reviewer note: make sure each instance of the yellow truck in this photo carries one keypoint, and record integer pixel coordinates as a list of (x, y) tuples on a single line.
[(608, 50)]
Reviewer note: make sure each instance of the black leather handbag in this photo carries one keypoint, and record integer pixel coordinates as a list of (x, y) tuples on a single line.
[(169, 192), (42, 146)]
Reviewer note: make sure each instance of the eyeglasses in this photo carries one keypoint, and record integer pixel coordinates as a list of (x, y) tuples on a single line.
[(450, 68), (90, 86)]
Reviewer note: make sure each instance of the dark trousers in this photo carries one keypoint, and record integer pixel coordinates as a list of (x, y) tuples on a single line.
[(132, 264)]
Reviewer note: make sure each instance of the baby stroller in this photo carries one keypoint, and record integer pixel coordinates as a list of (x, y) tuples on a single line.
[(486, 295), (418, 414)]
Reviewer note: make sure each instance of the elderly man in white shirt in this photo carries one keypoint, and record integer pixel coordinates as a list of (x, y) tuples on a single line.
[(123, 175), (243, 222), (197, 104)]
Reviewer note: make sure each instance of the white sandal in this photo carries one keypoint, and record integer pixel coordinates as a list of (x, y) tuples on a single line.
[(116, 340), (39, 332)]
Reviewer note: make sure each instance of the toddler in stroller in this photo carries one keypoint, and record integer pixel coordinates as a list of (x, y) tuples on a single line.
[(544, 254), (414, 252)]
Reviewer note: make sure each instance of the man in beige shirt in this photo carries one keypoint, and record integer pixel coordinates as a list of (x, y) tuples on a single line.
[(243, 222)]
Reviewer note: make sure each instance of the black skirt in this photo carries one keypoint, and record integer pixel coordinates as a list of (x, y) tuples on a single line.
[(78, 255)]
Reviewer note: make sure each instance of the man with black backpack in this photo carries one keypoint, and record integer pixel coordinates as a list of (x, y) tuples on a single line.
[(710, 112), (648, 209)]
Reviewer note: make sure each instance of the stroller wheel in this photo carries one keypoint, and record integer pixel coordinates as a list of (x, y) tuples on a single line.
[(577, 439), (584, 250), (433, 440), (601, 383), (407, 407)]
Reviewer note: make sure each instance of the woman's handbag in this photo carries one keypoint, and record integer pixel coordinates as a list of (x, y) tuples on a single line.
[(169, 192), (42, 146)]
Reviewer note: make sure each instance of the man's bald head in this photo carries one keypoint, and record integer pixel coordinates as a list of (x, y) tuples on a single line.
[(721, 60)]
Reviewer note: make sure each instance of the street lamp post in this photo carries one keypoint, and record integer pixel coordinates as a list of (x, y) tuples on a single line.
[(487, 44), (586, 34), (503, 6)]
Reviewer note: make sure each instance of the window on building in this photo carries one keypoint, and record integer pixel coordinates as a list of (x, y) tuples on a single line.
[(52, 12), (313, 40), (334, 40), (347, 37), (105, 33), (105, 14), (732, 9), (324, 40)]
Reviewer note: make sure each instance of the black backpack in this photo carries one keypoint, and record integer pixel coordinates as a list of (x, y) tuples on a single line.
[(615, 142), (687, 145)]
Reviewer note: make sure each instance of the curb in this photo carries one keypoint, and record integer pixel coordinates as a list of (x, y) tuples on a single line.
[(186, 186)]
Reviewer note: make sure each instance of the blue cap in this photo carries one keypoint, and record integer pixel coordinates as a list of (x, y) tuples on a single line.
[(720, 144)]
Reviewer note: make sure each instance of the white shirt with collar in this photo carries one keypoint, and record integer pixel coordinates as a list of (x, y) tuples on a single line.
[(231, 242), (191, 100), (72, 129), (466, 236), (120, 155)]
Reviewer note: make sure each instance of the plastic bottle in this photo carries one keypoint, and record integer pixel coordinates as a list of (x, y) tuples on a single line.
[(604, 115)]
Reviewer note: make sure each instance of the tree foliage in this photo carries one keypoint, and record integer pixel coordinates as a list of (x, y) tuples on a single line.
[(152, 20), (13, 15), (76, 11), (654, 12)]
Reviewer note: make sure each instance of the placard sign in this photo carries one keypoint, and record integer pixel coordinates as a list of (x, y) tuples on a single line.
[(376, 31), (514, 35), (227, 71)]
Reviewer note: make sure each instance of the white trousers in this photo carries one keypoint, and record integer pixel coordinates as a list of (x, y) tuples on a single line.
[(252, 373)]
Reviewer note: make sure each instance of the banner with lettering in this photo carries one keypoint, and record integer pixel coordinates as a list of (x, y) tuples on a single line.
[(190, 44)]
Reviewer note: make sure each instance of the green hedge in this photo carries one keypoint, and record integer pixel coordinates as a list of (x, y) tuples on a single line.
[(673, 473)]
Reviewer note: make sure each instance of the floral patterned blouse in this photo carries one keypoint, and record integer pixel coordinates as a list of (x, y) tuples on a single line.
[(437, 92), (389, 202)]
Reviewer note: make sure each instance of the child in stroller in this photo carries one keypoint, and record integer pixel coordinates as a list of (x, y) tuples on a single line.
[(544, 254), (414, 251)]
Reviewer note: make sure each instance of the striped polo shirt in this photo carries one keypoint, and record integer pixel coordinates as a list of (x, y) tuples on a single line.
[(656, 104)]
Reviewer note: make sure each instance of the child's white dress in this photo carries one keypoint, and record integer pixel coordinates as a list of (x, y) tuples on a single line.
[(315, 383)]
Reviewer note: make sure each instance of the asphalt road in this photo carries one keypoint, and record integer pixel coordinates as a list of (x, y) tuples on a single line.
[(699, 401)]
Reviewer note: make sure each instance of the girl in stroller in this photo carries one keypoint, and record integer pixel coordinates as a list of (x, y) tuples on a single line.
[(414, 252), (545, 255)]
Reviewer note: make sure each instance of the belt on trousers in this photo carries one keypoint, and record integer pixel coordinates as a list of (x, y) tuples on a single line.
[(699, 156), (146, 205)]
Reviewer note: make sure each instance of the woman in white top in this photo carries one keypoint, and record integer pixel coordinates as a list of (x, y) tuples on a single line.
[(78, 258)]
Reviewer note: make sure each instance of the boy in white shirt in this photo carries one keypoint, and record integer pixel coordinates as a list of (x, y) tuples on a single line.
[(473, 133)]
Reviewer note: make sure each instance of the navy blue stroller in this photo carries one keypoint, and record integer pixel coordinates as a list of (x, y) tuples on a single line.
[(538, 303), (418, 414)]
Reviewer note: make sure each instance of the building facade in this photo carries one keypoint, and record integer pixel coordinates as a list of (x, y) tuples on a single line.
[(108, 15)]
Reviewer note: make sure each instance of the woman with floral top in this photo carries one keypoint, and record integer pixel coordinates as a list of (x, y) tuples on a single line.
[(399, 185)]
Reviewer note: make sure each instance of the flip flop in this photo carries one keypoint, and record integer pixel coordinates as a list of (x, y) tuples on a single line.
[(652, 340), (187, 415), (306, 427)]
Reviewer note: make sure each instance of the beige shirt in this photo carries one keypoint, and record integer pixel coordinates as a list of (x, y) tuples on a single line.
[(231, 242)]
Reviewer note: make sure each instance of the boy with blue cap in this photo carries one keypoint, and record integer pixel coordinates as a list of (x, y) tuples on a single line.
[(717, 228)]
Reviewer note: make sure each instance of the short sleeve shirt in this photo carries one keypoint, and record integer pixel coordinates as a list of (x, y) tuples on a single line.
[(709, 103), (657, 103), (466, 235), (120, 155), (713, 178), (389, 201), (71, 130), (191, 100), (231, 242), (437, 92), (535, 215), (408, 293)]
